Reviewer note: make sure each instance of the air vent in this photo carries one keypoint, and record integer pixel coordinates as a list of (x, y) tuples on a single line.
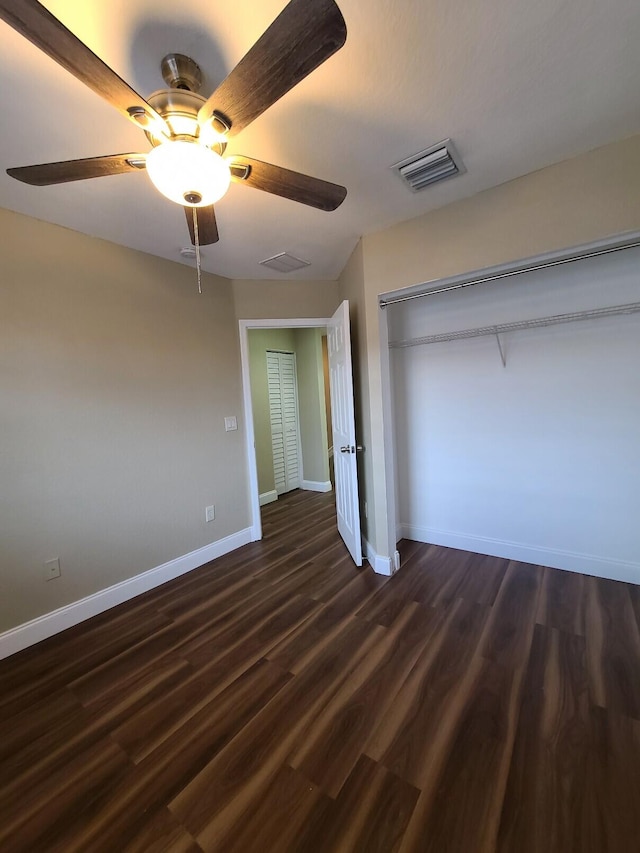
[(434, 164), (284, 262)]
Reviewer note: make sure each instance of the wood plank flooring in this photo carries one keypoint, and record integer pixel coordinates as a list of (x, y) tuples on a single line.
[(280, 699)]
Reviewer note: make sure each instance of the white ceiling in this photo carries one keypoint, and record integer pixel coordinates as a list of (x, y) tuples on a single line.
[(516, 84)]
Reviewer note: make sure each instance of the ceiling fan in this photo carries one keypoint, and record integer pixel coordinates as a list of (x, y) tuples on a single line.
[(189, 133)]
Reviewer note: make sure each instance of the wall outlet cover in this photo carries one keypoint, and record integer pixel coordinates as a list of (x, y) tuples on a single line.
[(230, 423), (52, 569), (210, 513)]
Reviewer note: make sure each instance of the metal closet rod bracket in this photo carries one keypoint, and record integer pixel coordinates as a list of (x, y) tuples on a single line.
[(503, 354)]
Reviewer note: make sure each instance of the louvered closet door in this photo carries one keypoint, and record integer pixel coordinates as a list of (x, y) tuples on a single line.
[(283, 408)]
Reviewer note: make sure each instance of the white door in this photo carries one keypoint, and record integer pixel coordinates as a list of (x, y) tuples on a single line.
[(283, 411), (344, 431)]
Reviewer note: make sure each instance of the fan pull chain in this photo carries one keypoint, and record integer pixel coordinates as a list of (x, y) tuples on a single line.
[(197, 242)]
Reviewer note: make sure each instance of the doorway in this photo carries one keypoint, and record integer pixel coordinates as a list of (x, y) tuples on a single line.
[(341, 395), (283, 382)]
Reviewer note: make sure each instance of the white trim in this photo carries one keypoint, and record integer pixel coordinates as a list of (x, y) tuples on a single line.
[(586, 564), (268, 497), (300, 323), (342, 393), (380, 565), (22, 636), (388, 440), (252, 467), (315, 486)]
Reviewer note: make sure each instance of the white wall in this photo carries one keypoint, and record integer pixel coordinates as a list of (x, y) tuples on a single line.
[(538, 461)]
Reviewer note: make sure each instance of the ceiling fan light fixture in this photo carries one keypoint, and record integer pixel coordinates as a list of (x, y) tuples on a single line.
[(211, 136), (188, 132), (184, 171), (179, 110), (183, 125)]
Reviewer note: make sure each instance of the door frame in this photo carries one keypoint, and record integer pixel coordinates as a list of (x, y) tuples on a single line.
[(252, 465)]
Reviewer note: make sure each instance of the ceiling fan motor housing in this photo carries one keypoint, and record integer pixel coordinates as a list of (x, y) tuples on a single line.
[(181, 72), (179, 108)]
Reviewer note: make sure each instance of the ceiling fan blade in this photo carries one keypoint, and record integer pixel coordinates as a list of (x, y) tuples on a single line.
[(285, 183), (78, 170), (302, 37), (34, 22), (207, 226)]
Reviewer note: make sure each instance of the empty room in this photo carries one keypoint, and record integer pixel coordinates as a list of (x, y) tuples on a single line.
[(319, 418)]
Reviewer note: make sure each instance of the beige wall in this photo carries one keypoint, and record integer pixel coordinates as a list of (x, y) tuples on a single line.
[(115, 377), (284, 299), (261, 340), (578, 201)]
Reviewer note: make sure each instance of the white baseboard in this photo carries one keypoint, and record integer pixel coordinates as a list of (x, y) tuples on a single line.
[(380, 565), (315, 486), (29, 633), (586, 564), (268, 497)]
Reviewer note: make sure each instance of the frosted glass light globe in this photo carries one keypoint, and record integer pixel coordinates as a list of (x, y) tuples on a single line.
[(179, 168)]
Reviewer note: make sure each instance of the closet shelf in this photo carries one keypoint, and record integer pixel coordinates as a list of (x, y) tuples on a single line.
[(540, 322)]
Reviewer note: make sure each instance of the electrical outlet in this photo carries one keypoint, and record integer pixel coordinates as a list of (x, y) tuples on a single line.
[(52, 569), (231, 423), (210, 513)]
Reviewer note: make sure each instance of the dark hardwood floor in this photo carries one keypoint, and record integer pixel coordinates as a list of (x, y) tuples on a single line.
[(279, 699)]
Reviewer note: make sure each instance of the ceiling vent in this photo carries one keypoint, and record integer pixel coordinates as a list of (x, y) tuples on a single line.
[(434, 164), (284, 262)]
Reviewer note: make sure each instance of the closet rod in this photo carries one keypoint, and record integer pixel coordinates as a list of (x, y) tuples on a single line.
[(605, 247), (540, 322)]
